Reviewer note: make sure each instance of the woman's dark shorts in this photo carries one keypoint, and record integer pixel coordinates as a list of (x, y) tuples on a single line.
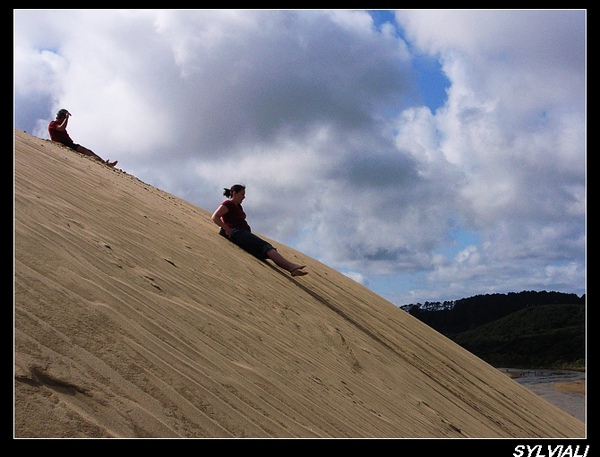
[(249, 242), (73, 146)]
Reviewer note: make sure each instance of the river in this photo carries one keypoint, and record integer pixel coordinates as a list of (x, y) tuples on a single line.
[(544, 384)]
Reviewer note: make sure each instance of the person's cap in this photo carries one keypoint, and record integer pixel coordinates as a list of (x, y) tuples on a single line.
[(62, 112)]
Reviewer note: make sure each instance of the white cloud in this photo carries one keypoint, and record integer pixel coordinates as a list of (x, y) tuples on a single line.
[(314, 112)]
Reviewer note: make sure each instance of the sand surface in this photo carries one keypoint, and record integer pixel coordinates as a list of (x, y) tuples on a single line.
[(133, 318)]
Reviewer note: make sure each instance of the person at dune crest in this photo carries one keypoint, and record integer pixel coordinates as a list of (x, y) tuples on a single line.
[(232, 219), (58, 132)]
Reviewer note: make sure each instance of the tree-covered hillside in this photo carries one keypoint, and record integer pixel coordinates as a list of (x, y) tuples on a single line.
[(551, 336), (521, 330)]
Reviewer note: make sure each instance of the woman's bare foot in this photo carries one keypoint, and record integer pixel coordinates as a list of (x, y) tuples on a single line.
[(297, 271)]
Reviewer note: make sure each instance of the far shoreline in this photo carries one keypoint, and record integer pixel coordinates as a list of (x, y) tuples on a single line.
[(576, 386), (516, 373)]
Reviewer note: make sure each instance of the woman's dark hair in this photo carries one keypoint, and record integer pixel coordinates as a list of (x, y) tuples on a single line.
[(235, 188)]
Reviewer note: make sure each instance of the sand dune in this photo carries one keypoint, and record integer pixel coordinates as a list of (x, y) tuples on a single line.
[(133, 318)]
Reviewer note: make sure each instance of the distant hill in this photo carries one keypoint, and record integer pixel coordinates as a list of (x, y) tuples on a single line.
[(522, 330), (550, 336)]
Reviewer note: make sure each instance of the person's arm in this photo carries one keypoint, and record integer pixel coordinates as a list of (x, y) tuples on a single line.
[(217, 219), (63, 126)]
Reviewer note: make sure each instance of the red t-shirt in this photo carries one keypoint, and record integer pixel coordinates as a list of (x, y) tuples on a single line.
[(235, 217), (61, 136)]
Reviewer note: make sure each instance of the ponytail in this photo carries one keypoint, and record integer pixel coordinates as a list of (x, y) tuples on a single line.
[(235, 188)]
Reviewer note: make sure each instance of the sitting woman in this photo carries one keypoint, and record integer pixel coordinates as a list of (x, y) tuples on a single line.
[(58, 132), (231, 218)]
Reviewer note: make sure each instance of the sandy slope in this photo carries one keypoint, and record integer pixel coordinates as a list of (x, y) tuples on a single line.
[(133, 318)]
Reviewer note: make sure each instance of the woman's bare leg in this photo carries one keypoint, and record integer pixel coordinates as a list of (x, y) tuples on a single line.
[(89, 152), (293, 268)]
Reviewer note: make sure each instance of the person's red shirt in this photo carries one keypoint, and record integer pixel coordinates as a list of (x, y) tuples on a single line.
[(60, 136), (235, 217)]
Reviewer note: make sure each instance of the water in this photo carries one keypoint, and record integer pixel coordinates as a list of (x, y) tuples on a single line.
[(542, 383)]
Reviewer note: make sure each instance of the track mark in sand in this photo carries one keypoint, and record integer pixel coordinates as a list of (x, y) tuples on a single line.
[(75, 223), (117, 259), (339, 312), (350, 353), (243, 365), (152, 283), (39, 378), (446, 422), (316, 379)]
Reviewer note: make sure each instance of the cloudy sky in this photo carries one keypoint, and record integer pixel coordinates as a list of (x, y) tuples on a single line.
[(429, 154)]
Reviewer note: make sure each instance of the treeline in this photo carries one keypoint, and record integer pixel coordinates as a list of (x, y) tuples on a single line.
[(457, 316)]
